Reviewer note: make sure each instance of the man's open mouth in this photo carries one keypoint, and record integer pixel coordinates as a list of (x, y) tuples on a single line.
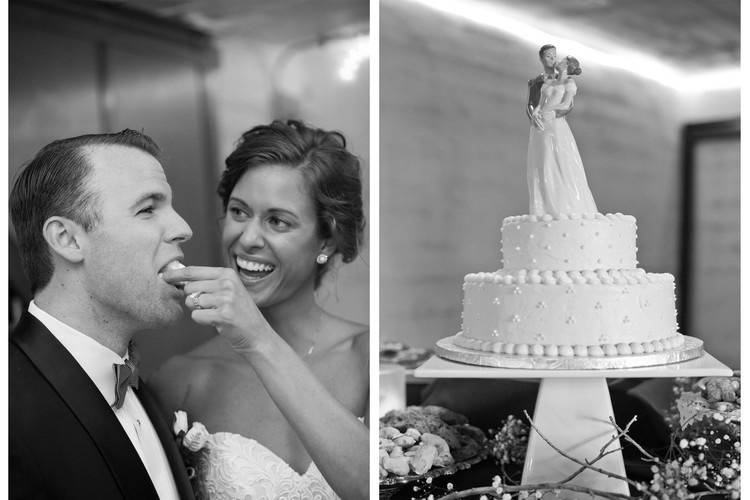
[(172, 265)]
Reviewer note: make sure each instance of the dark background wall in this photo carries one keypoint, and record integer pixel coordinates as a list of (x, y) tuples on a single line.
[(80, 70), (94, 66)]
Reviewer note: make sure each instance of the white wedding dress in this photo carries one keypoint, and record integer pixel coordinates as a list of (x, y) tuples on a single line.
[(557, 181), (231, 466)]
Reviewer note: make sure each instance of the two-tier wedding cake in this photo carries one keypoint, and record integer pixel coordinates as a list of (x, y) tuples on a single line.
[(569, 286)]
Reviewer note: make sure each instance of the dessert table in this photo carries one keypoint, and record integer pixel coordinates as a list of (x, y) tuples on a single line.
[(573, 409)]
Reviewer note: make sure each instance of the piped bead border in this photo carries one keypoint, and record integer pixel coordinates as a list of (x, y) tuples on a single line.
[(555, 350), (514, 219), (586, 277)]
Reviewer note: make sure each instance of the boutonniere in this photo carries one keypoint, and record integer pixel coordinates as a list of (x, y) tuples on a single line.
[(194, 438), (190, 440), (180, 424)]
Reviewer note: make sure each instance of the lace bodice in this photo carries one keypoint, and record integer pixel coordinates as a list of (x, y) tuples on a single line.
[(231, 466)]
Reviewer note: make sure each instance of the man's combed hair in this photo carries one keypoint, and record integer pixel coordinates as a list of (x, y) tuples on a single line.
[(55, 183), (545, 48), (332, 174)]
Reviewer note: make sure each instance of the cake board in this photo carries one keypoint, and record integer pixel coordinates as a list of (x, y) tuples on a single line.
[(572, 410)]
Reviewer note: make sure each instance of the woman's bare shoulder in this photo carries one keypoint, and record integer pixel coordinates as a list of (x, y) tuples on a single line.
[(347, 333), (346, 326), (184, 364), (169, 382), (361, 343), (179, 374)]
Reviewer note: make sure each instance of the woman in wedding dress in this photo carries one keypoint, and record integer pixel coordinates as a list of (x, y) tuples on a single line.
[(280, 389), (557, 181)]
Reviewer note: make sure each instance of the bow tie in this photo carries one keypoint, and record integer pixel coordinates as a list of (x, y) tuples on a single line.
[(126, 375)]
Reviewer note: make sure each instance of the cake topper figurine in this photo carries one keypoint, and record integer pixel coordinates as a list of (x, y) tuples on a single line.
[(555, 174), (548, 58)]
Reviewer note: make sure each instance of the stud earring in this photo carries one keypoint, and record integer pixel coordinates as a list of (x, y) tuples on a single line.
[(321, 259)]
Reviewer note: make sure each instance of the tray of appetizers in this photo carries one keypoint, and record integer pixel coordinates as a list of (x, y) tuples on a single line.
[(419, 442)]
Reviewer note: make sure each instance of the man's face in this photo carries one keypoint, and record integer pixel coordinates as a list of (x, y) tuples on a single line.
[(549, 58), (137, 235)]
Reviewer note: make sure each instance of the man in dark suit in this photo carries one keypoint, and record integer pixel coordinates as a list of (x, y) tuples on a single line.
[(548, 58), (95, 226)]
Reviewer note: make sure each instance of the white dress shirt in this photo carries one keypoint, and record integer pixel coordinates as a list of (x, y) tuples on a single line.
[(97, 360)]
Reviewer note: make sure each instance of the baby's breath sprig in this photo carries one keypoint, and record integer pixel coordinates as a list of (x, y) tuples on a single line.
[(703, 461), (508, 444)]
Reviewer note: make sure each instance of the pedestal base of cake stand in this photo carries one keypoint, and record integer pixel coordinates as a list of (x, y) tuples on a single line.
[(573, 408), (573, 414)]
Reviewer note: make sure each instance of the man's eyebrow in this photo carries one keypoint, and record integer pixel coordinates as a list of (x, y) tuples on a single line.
[(155, 196)]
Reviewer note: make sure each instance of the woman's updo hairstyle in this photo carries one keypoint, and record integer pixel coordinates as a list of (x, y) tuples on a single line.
[(574, 67), (331, 172)]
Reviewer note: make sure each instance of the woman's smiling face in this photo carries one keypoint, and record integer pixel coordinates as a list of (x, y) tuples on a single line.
[(271, 234)]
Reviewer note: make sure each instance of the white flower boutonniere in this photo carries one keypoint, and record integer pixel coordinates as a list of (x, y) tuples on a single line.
[(192, 439), (180, 422), (196, 437)]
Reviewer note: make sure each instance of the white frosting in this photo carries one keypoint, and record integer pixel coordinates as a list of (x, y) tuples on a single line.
[(551, 350), (569, 287), (608, 307), (569, 242), (598, 277)]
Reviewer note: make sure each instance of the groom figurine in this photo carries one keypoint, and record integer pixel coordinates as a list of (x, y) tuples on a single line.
[(95, 225), (548, 58)]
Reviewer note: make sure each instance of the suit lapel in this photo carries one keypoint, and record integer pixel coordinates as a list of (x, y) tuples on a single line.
[(80, 394), (148, 401)]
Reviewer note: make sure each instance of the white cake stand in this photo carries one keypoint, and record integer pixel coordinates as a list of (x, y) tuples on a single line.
[(573, 408)]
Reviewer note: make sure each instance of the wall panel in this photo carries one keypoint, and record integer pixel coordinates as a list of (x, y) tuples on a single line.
[(77, 70)]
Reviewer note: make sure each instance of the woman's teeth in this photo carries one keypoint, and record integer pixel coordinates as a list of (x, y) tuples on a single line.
[(256, 268)]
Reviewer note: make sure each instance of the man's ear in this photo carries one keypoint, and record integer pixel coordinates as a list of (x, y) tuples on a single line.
[(64, 238)]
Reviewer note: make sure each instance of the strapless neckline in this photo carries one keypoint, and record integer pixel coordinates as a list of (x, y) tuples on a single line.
[(257, 443), (230, 466)]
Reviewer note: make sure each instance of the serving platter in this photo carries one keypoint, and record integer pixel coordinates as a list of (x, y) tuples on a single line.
[(390, 485)]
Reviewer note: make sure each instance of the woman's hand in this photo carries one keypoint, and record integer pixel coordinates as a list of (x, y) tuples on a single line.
[(217, 297), (536, 118)]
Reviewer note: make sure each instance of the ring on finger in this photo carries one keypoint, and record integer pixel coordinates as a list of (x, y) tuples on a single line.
[(195, 300)]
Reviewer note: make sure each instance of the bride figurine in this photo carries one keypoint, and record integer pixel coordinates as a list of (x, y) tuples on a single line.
[(557, 181)]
